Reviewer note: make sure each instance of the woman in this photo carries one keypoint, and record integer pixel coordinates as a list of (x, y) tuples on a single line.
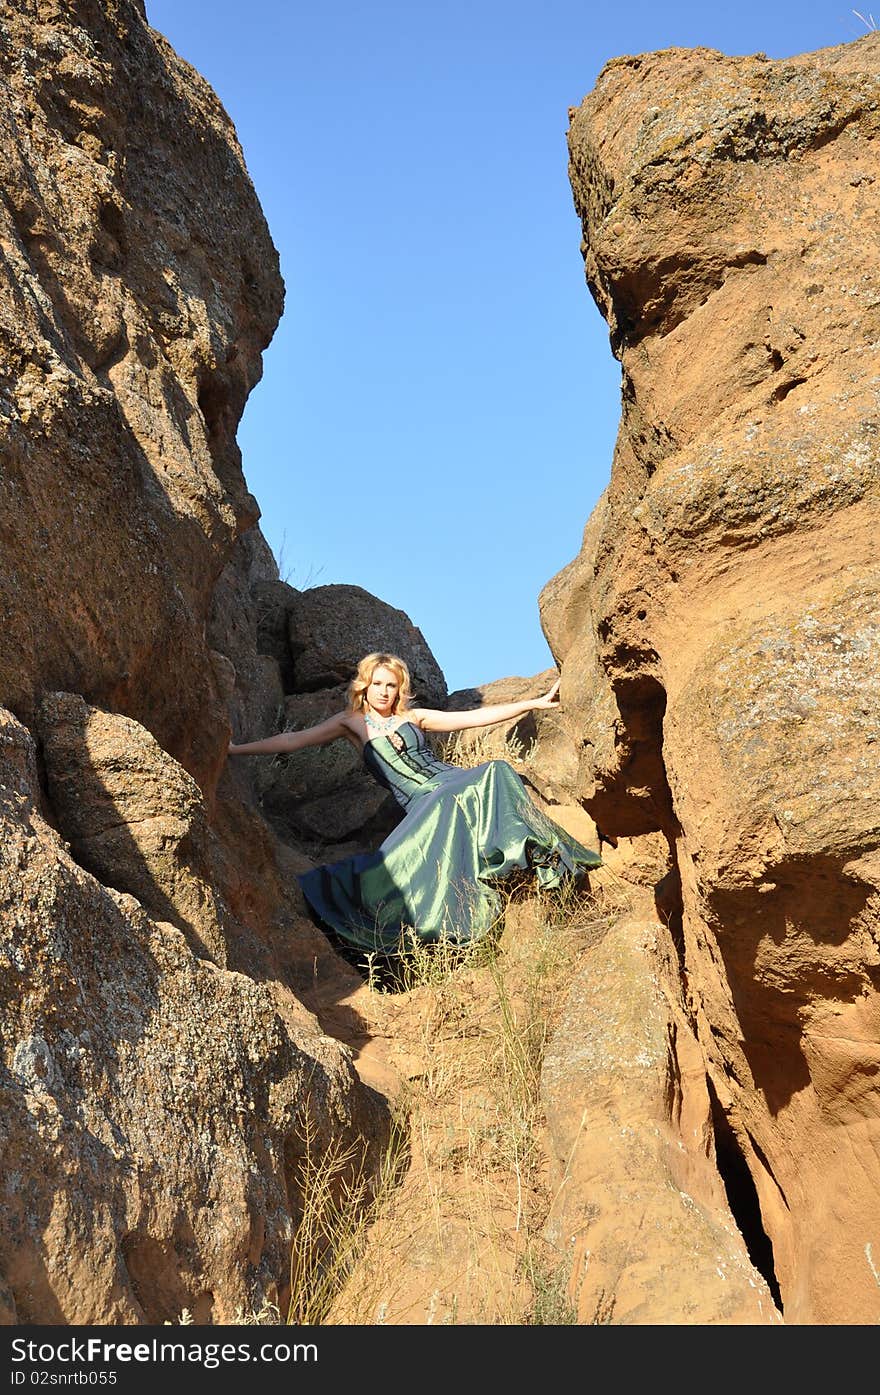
[(463, 830)]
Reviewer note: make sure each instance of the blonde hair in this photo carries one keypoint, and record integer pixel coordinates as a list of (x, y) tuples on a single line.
[(357, 688)]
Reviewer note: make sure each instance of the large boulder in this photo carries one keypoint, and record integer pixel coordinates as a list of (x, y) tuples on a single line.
[(157, 1065), (331, 629), (717, 635), (155, 1104), (640, 1211), (140, 288), (132, 816)]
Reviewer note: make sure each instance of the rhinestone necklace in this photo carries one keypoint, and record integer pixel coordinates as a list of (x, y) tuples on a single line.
[(379, 723)]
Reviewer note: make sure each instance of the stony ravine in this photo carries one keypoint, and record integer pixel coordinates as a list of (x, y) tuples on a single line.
[(677, 1116)]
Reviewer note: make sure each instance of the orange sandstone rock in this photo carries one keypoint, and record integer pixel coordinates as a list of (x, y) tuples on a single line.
[(718, 632)]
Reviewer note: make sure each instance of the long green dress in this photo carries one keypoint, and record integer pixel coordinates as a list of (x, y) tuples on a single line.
[(435, 873)]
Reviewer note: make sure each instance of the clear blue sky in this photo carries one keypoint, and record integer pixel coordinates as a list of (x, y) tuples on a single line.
[(439, 404)]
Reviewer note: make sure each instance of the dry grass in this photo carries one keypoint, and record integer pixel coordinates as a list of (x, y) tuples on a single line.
[(460, 1239), (451, 1228), (472, 746), (339, 1203)]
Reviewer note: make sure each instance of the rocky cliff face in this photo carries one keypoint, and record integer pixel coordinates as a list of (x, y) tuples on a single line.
[(160, 1076), (718, 632), (140, 286), (710, 1092)]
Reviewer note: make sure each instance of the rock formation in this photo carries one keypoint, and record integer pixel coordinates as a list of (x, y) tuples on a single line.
[(155, 1104), (140, 286), (710, 1092), (161, 1078), (718, 632)]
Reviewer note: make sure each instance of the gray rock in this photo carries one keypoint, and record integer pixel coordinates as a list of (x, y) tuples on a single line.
[(331, 628)]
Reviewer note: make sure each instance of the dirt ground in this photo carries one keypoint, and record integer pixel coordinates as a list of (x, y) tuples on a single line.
[(454, 1231)]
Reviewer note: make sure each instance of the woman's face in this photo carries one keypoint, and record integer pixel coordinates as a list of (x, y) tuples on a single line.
[(383, 690)]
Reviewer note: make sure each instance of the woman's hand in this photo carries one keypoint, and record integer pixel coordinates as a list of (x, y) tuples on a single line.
[(550, 698)]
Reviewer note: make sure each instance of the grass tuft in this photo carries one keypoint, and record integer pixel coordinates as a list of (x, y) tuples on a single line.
[(339, 1200)]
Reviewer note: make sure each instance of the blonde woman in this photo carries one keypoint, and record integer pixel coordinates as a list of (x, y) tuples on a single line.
[(463, 831)]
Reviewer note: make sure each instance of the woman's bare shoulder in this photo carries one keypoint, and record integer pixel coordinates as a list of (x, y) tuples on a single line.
[(352, 726), (416, 715)]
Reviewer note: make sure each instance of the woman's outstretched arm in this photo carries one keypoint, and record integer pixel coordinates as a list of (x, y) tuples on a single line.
[(294, 740), (434, 720)]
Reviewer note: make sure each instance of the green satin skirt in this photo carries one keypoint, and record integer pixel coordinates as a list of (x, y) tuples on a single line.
[(437, 875)]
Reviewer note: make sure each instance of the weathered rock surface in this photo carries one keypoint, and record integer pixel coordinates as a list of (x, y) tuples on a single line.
[(639, 1202), (132, 816), (519, 734), (155, 1105), (711, 1092), (331, 628), (140, 286), (158, 1066), (717, 635), (251, 676)]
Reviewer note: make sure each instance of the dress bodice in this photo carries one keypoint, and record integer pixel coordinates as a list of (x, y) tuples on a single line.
[(405, 764)]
